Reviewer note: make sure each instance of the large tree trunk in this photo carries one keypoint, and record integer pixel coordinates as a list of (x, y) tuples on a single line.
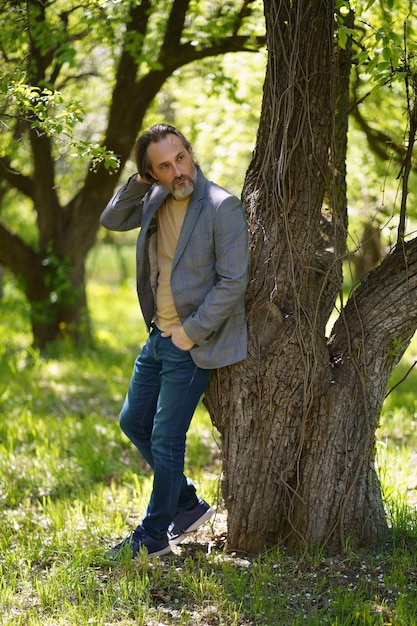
[(298, 418)]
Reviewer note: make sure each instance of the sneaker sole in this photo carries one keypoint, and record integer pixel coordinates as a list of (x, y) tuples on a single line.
[(197, 524), (117, 555), (160, 552)]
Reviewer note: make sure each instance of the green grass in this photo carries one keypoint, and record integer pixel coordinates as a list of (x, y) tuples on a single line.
[(71, 485)]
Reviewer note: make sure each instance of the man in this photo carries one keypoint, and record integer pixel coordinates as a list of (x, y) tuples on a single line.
[(192, 255)]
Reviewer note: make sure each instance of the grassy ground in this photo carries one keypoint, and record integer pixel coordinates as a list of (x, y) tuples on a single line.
[(71, 485)]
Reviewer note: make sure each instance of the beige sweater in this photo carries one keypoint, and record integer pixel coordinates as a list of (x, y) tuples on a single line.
[(170, 217)]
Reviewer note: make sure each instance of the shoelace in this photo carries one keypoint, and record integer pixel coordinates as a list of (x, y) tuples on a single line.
[(137, 535)]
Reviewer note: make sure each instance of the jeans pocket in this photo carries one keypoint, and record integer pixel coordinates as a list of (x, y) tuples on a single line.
[(180, 350)]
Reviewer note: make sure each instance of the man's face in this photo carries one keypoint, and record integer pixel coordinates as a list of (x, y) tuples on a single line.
[(173, 166)]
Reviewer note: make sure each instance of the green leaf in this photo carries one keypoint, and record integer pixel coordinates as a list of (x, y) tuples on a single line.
[(387, 53), (342, 37)]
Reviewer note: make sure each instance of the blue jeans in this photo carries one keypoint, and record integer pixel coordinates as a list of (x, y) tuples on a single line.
[(164, 391)]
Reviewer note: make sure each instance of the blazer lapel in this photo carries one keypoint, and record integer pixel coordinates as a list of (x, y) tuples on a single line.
[(193, 211)]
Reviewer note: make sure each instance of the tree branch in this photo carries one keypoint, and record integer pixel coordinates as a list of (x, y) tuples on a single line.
[(188, 53), (408, 372), (16, 179), (245, 11), (380, 317), (174, 26), (379, 142), (15, 253), (407, 165)]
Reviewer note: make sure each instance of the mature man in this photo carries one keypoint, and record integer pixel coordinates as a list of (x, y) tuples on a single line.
[(192, 254)]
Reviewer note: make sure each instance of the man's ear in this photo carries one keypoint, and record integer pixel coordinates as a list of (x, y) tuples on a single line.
[(151, 174)]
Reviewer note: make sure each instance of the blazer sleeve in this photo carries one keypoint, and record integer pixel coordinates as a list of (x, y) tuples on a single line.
[(124, 211)]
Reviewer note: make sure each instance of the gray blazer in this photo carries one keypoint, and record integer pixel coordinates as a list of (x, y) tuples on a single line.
[(209, 270)]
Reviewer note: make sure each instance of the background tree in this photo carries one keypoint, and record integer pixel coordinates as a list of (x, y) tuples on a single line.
[(123, 52), (376, 148), (298, 418)]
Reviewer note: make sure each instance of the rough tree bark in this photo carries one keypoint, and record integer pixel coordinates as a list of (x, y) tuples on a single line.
[(298, 418)]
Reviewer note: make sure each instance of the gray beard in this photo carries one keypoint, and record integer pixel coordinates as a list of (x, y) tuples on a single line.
[(183, 191), (187, 187)]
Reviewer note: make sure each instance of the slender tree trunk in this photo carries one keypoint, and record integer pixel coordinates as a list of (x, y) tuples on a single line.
[(298, 417)]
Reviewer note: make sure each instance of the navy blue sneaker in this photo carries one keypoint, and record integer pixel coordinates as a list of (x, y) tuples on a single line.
[(134, 542), (187, 522)]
